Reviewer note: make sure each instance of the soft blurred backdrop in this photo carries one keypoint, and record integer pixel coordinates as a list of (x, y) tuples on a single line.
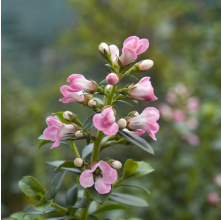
[(43, 42)]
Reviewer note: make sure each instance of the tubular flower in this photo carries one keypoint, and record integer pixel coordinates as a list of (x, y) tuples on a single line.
[(146, 121), (127, 57), (137, 45), (70, 95), (79, 83), (56, 130), (105, 122), (101, 175), (114, 53), (143, 90)]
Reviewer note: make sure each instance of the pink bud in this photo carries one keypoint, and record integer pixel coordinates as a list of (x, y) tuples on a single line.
[(213, 198), (114, 53), (128, 56), (135, 114), (78, 162), (116, 164), (112, 79), (104, 48), (122, 123), (79, 134), (145, 64)]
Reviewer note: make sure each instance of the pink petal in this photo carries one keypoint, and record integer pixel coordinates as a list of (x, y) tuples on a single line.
[(98, 123), (66, 100), (142, 46), (52, 121), (138, 132), (86, 179), (131, 42), (112, 130), (101, 187), (144, 81), (114, 52), (151, 112), (50, 133), (56, 143), (109, 174), (108, 117), (74, 76), (128, 56)]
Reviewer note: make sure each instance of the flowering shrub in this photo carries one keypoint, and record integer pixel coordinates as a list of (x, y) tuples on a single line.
[(97, 177)]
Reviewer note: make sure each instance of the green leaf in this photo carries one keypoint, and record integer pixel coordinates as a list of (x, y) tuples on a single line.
[(56, 163), (128, 199), (72, 170), (17, 216), (41, 137), (103, 82), (100, 198), (60, 218), (81, 204), (31, 187), (135, 101), (143, 169), (87, 150), (88, 124), (125, 102), (140, 142), (59, 115), (92, 217), (56, 183), (35, 212), (43, 207), (98, 100), (129, 168), (108, 207), (43, 142), (72, 195), (66, 164)]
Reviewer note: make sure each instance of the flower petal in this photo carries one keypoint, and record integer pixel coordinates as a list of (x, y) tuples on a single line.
[(114, 52), (101, 187), (50, 133), (109, 174), (53, 121), (98, 123), (111, 130), (86, 179), (142, 46)]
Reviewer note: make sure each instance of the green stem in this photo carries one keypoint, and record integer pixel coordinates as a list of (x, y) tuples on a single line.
[(84, 211), (109, 101), (74, 149), (118, 182), (97, 143)]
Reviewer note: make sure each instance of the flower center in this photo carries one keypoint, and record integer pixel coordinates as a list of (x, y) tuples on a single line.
[(97, 172)]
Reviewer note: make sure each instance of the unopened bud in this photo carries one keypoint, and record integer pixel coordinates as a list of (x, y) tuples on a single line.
[(135, 114), (68, 115), (79, 134), (92, 103), (112, 79), (104, 48), (122, 123), (108, 88), (78, 162), (145, 64), (116, 164)]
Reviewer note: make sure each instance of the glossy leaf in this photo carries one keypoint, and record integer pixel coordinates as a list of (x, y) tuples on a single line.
[(66, 164), (56, 183), (56, 163), (108, 207), (41, 137), (31, 187), (72, 195), (43, 142), (130, 167), (103, 82), (98, 100), (43, 207), (87, 150), (92, 217), (100, 198), (128, 199), (140, 142), (72, 170), (35, 212), (81, 204), (59, 115), (88, 124)]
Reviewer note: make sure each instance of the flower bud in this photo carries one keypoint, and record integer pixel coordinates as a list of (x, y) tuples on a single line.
[(116, 164), (112, 79), (145, 65), (135, 114), (79, 134), (104, 48), (108, 87), (122, 123), (92, 103), (68, 115), (78, 162)]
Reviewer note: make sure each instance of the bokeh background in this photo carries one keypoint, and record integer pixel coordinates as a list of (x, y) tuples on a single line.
[(43, 42)]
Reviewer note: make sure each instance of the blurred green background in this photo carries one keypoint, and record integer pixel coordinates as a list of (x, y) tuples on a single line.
[(43, 42)]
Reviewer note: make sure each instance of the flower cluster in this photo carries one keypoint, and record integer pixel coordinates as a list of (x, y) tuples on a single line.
[(182, 108), (100, 174)]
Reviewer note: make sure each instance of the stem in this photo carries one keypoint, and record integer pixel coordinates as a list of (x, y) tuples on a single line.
[(74, 149), (118, 182), (84, 211), (97, 143), (109, 101)]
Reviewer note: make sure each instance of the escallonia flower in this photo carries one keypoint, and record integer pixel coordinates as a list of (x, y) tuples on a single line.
[(146, 121), (138, 132), (143, 90), (127, 57), (79, 83), (56, 130), (105, 122), (114, 53), (112, 79), (101, 175)]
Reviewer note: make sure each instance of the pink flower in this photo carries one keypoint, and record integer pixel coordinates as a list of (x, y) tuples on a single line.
[(101, 175), (193, 123), (114, 53), (170, 97), (128, 56), (138, 45), (166, 111), (56, 130), (192, 139), (79, 83), (138, 132), (105, 122), (146, 121), (193, 104), (112, 79), (213, 198), (145, 64), (70, 95), (178, 115), (143, 90)]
